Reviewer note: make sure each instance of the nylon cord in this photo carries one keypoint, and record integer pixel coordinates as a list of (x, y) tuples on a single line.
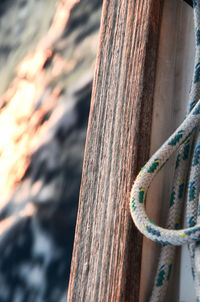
[(186, 178)]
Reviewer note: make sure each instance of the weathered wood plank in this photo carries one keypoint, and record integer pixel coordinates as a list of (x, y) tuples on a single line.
[(107, 247)]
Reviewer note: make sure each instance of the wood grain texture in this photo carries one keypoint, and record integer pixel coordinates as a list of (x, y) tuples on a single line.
[(107, 247)]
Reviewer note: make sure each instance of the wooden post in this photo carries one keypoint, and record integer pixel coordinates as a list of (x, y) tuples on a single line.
[(107, 247)]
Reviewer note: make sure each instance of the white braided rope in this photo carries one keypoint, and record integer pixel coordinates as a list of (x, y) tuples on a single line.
[(167, 255), (168, 236), (145, 177), (192, 213)]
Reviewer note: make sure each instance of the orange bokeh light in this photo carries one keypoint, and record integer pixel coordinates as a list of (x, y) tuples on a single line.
[(18, 119)]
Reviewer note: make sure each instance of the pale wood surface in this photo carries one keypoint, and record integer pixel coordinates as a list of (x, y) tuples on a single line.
[(107, 248)]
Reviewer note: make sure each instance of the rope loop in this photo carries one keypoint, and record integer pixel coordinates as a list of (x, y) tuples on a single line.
[(145, 177)]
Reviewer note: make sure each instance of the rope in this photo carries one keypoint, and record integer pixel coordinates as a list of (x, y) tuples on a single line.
[(186, 139)]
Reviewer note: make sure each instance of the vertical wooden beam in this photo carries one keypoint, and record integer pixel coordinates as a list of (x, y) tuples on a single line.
[(107, 247)]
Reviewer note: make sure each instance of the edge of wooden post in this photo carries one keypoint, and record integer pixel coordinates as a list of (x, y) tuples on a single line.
[(107, 247)]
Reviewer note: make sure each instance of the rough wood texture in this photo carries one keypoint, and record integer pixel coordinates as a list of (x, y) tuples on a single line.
[(107, 248)]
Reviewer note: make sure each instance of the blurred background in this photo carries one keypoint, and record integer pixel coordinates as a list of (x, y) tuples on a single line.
[(47, 59)]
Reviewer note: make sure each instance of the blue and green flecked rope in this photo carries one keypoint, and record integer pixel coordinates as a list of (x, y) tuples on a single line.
[(182, 139), (145, 177)]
